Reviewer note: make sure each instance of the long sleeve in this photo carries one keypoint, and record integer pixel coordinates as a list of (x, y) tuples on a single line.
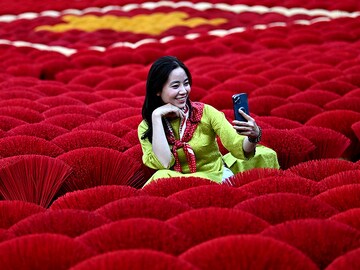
[(149, 158), (231, 140)]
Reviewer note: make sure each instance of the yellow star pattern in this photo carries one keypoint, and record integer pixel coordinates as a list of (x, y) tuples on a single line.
[(152, 24)]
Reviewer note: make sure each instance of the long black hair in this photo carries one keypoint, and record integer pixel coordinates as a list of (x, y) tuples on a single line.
[(157, 77)]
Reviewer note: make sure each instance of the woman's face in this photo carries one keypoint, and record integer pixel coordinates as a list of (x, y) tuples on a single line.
[(176, 89)]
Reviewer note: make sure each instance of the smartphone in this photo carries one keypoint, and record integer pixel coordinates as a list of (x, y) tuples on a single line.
[(240, 101)]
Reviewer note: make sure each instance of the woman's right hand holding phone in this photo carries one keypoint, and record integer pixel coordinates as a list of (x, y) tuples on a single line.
[(248, 128)]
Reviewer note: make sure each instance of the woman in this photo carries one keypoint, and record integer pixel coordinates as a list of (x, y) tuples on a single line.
[(178, 137)]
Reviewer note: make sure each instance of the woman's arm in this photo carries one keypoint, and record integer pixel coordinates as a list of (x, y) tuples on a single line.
[(233, 137), (249, 129), (160, 144), (148, 157)]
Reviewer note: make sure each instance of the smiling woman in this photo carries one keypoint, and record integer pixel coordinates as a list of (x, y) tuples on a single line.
[(178, 136)]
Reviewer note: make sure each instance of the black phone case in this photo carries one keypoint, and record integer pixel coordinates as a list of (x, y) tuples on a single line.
[(240, 101)]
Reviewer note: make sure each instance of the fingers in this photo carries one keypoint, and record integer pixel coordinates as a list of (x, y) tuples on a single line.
[(181, 113), (246, 116), (249, 128), (169, 110), (244, 130)]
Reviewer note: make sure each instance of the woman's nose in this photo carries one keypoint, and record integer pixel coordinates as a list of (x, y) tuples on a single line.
[(182, 89)]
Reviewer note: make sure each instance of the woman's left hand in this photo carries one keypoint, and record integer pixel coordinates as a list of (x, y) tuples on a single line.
[(249, 128)]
